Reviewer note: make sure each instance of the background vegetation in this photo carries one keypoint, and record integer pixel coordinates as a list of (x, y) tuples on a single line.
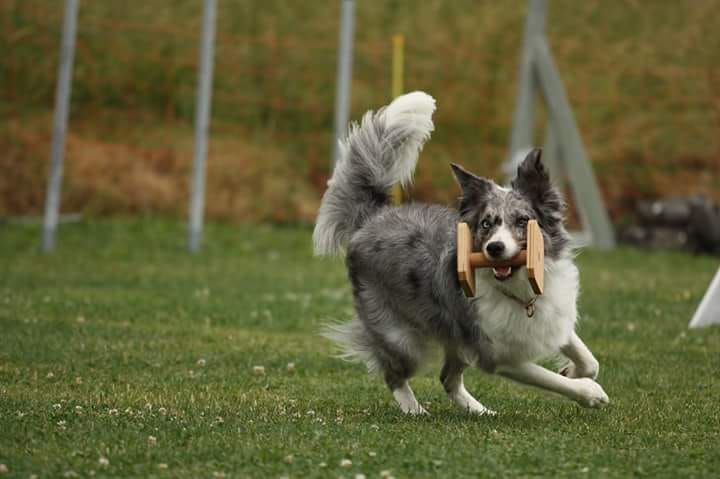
[(123, 361), (643, 78)]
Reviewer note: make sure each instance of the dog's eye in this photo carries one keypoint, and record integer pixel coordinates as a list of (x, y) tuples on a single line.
[(485, 224), (522, 222)]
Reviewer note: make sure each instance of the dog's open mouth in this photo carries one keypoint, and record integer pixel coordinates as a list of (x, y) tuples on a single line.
[(502, 272)]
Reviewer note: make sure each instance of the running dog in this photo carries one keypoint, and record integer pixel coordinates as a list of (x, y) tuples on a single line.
[(401, 261)]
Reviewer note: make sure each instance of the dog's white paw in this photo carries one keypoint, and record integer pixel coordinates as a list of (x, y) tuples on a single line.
[(590, 393), (572, 370)]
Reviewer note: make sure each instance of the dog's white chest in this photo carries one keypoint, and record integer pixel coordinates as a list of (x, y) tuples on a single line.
[(503, 315)]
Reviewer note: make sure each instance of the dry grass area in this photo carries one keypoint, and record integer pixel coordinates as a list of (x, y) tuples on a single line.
[(148, 171), (642, 77)]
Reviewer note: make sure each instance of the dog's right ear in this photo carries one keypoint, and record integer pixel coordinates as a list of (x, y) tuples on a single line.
[(475, 189)]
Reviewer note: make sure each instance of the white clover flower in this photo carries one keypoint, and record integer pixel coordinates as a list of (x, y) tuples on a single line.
[(113, 412), (322, 464), (291, 367), (78, 410), (346, 463), (103, 461), (289, 459), (162, 411), (372, 453), (360, 476), (162, 465), (152, 440), (259, 370), (201, 362), (57, 406), (50, 375), (4, 469), (386, 473)]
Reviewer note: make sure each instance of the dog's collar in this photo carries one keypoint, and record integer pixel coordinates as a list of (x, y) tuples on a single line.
[(529, 305)]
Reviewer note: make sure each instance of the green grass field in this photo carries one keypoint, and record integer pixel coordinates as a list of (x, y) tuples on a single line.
[(122, 355)]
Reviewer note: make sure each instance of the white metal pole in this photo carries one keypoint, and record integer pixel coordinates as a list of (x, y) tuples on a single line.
[(202, 122), (578, 166), (521, 137), (60, 118), (344, 74)]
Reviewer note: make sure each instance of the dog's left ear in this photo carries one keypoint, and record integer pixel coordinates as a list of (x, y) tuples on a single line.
[(533, 182)]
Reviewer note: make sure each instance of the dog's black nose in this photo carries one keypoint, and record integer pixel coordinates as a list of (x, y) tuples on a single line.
[(495, 249)]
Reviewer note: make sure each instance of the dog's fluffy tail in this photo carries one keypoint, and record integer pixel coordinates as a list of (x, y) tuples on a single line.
[(378, 153), (353, 343)]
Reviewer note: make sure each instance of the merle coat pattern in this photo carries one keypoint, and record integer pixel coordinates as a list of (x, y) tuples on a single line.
[(401, 263)]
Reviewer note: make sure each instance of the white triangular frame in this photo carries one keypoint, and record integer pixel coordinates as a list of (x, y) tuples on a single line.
[(708, 312), (564, 152)]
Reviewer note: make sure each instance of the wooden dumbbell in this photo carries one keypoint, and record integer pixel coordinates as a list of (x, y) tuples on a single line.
[(533, 258)]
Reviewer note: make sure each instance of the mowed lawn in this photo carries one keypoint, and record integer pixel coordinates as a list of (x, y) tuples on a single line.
[(123, 355)]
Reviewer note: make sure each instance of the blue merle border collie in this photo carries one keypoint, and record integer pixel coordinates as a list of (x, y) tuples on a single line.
[(401, 261)]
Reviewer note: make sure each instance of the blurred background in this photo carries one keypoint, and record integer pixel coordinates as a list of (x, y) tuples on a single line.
[(643, 79)]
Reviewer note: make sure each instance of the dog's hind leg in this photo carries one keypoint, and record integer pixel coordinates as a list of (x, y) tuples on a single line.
[(451, 378), (584, 364), (397, 381)]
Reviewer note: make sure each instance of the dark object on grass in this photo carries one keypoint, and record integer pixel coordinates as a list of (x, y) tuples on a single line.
[(691, 223), (704, 230)]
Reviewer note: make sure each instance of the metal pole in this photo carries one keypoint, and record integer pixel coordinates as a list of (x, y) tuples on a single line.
[(397, 90), (578, 167), (521, 138), (202, 122), (344, 74), (62, 102)]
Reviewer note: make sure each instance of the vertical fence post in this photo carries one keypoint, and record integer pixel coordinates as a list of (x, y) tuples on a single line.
[(398, 67), (62, 104), (344, 74), (202, 122), (521, 137)]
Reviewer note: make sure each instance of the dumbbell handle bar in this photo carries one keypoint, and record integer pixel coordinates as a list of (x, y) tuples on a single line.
[(479, 260)]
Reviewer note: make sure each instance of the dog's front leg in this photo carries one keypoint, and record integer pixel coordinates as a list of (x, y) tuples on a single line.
[(584, 364), (585, 391)]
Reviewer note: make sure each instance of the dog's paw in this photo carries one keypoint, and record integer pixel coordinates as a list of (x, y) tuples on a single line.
[(572, 370), (590, 393)]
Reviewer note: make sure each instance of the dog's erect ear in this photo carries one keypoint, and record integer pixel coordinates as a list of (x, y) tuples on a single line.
[(533, 182), (475, 189), (470, 183), (532, 178)]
